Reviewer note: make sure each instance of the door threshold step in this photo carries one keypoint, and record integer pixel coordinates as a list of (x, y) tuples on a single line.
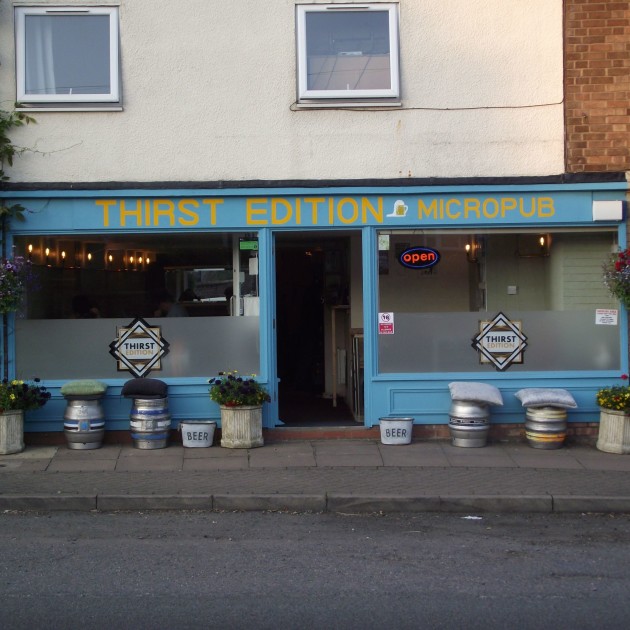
[(321, 433)]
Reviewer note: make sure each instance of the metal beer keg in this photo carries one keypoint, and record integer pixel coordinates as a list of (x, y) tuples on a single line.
[(469, 423), (150, 423), (546, 427), (84, 424)]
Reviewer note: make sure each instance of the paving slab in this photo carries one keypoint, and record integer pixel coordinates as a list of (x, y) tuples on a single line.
[(349, 460), (24, 465), (214, 452), (407, 455), (81, 465), (214, 463), (32, 452), (483, 457), (153, 464), (345, 447), (105, 452), (545, 459)]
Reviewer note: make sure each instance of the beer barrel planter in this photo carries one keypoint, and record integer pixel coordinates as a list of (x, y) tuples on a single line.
[(469, 415), (545, 416), (150, 420), (84, 419)]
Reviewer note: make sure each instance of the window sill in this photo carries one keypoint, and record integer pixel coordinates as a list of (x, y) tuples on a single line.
[(64, 108), (395, 104)]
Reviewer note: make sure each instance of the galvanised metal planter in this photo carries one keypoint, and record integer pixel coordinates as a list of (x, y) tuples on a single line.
[(614, 431), (241, 427)]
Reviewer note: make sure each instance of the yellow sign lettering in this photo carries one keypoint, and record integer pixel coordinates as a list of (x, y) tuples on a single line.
[(252, 210)]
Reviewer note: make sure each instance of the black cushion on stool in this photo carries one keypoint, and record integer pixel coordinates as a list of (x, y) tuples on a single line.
[(145, 388)]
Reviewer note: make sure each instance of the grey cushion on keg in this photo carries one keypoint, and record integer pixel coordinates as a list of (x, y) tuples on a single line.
[(145, 388), (84, 389), (543, 397), (476, 392)]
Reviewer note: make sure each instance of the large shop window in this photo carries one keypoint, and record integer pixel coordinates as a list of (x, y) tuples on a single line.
[(347, 51), (67, 55), (551, 283), (202, 290)]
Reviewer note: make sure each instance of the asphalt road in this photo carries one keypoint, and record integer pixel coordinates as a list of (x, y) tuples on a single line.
[(291, 570)]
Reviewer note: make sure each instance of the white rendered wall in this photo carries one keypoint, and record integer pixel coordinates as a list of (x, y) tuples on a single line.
[(209, 94)]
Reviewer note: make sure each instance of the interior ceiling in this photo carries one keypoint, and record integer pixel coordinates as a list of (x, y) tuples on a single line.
[(311, 237)]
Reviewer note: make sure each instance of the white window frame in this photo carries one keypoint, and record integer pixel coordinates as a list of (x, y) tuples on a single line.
[(304, 94), (113, 97)]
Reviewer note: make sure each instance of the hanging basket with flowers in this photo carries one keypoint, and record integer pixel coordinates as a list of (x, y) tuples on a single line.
[(617, 276), (15, 276)]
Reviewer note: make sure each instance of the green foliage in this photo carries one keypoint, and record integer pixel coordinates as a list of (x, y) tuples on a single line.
[(19, 395), (616, 273), (9, 121), (232, 390), (616, 397), (16, 274)]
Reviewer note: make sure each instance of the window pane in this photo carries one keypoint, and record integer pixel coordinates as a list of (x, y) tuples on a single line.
[(348, 50), (67, 54), (201, 289), (75, 349), (553, 287)]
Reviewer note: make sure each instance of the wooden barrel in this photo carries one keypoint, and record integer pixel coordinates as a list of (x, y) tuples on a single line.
[(84, 424), (150, 423), (546, 427)]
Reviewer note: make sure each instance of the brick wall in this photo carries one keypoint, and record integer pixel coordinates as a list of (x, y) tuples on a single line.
[(597, 85)]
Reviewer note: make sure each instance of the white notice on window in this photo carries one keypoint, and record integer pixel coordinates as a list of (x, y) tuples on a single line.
[(386, 323), (606, 316)]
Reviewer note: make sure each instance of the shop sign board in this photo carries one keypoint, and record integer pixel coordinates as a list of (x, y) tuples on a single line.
[(139, 348), (419, 257), (500, 342)]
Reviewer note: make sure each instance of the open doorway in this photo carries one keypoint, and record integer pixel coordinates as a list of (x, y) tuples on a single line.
[(313, 286)]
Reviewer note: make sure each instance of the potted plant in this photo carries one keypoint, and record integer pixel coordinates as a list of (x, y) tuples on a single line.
[(616, 272), (240, 399), (614, 418), (16, 397)]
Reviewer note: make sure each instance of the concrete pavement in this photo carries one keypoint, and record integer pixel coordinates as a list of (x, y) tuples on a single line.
[(318, 475)]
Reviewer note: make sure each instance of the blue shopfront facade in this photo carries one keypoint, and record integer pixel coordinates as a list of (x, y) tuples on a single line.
[(391, 336)]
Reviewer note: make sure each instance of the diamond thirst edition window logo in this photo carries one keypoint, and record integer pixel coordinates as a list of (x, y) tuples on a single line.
[(500, 342), (139, 348)]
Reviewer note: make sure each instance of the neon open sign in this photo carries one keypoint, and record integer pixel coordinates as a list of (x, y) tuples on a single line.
[(419, 257)]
